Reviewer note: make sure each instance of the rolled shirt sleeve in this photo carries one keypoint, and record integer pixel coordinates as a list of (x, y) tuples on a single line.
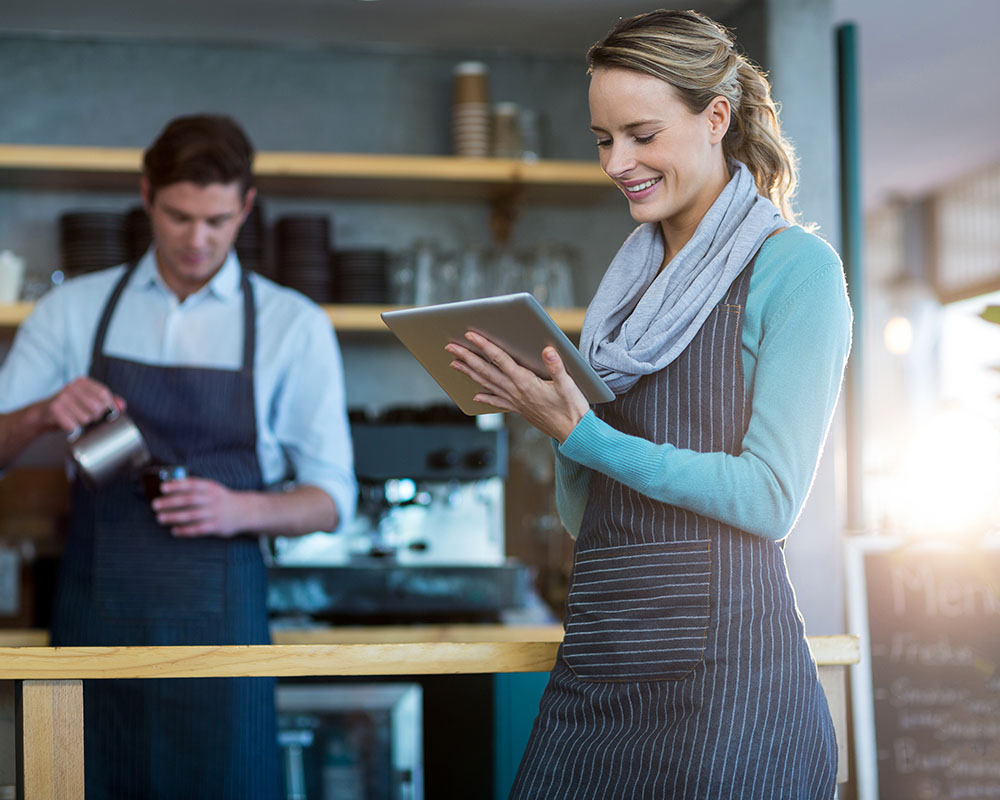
[(52, 346), (308, 415)]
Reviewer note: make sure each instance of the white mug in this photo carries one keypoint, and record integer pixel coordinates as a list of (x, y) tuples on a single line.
[(11, 277)]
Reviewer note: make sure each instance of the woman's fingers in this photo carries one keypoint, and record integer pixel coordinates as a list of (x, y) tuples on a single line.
[(566, 387), (476, 375), (553, 406), (489, 370), (494, 355), (499, 403)]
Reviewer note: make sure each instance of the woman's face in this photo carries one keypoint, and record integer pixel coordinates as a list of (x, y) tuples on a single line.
[(667, 161)]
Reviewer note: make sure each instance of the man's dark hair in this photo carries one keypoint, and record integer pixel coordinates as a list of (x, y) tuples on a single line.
[(202, 149)]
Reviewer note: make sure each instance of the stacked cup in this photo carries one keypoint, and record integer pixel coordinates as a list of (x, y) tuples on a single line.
[(507, 131), (470, 121)]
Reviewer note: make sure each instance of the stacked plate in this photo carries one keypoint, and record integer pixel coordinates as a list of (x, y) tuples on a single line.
[(138, 233), (91, 240), (361, 276), (250, 241), (302, 255)]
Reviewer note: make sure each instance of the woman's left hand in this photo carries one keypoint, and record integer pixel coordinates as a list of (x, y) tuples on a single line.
[(553, 406)]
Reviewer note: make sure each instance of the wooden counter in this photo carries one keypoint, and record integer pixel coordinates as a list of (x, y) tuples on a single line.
[(51, 691), (827, 650)]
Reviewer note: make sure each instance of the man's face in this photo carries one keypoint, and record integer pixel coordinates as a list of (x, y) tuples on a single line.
[(194, 228)]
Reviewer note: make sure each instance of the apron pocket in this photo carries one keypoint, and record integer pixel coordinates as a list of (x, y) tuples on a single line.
[(142, 573), (639, 612)]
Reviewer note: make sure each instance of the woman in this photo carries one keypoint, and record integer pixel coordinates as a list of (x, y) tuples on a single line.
[(723, 329)]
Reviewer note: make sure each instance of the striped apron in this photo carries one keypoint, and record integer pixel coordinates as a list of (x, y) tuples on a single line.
[(125, 580), (684, 672)]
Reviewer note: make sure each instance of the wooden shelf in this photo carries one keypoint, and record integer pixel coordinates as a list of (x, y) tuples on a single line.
[(12, 316), (505, 183), (360, 318), (342, 174), (345, 318)]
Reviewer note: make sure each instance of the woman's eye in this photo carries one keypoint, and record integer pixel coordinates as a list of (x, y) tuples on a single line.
[(604, 143), (645, 139)]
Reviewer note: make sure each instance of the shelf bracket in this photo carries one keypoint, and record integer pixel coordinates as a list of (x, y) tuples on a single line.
[(504, 208)]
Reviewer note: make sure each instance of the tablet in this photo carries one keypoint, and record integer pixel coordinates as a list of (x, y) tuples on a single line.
[(515, 322)]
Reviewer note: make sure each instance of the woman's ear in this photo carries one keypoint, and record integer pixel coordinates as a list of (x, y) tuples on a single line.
[(718, 115)]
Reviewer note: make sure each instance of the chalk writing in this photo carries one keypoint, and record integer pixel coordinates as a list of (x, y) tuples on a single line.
[(935, 661)]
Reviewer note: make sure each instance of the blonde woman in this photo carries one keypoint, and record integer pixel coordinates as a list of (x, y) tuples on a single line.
[(723, 329)]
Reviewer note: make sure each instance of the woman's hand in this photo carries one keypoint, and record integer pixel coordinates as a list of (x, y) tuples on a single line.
[(553, 406)]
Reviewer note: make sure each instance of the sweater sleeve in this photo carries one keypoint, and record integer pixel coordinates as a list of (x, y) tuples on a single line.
[(800, 365), (572, 484)]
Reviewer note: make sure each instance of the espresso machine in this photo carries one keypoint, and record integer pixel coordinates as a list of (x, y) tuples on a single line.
[(427, 542)]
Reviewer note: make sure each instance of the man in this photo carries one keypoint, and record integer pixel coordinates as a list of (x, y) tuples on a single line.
[(240, 381)]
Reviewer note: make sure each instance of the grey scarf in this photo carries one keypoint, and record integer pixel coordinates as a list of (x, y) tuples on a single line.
[(642, 318)]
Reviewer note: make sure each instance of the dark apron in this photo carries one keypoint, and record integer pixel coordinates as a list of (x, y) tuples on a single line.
[(684, 672), (125, 580)]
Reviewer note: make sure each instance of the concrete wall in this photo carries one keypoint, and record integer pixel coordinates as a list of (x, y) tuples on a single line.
[(801, 57), (794, 41)]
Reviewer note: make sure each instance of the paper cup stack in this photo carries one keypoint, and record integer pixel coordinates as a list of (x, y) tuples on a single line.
[(470, 121), (507, 131)]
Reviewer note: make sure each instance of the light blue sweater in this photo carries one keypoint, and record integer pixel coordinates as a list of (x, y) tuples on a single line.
[(796, 337)]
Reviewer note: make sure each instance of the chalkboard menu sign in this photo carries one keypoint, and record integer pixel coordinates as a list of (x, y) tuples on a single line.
[(933, 653)]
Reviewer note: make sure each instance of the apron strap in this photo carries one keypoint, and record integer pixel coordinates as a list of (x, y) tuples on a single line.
[(249, 323), (97, 369)]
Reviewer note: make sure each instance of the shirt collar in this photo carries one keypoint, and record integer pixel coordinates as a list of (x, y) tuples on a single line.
[(225, 284)]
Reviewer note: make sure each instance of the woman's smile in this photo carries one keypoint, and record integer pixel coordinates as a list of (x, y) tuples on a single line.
[(636, 190)]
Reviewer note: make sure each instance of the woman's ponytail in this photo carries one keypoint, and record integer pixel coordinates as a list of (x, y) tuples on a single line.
[(755, 138)]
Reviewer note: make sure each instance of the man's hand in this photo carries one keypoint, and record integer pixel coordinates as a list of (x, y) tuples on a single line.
[(193, 507), (201, 507), (79, 403)]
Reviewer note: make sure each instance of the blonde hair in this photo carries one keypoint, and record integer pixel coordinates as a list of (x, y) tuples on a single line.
[(699, 59)]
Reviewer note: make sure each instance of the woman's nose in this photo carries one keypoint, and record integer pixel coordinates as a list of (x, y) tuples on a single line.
[(618, 160)]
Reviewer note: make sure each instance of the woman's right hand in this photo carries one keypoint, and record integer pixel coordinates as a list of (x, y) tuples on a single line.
[(553, 406), (79, 403)]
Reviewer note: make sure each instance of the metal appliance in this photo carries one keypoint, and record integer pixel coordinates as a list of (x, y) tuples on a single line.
[(351, 741), (427, 542)]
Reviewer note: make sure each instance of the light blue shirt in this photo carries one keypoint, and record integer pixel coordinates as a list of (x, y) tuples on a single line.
[(795, 340), (302, 429)]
